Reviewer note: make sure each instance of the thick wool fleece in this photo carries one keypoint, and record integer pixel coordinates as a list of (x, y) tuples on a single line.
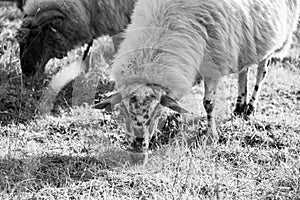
[(86, 19), (173, 42)]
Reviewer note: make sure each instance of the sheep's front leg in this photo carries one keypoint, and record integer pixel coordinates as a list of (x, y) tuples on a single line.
[(117, 39), (261, 74), (241, 102), (209, 104)]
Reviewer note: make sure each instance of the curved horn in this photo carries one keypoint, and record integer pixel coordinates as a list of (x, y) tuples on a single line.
[(110, 102), (172, 104)]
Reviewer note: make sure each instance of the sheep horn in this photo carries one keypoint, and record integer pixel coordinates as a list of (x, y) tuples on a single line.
[(172, 104), (110, 102)]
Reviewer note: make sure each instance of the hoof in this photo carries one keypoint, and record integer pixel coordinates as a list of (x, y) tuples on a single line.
[(209, 137), (239, 110), (244, 111)]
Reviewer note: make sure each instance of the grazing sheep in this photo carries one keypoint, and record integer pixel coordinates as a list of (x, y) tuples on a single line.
[(170, 44), (53, 27)]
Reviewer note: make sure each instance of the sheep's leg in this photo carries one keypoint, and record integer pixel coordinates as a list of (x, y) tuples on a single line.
[(209, 104), (87, 50), (117, 39), (241, 102), (261, 74)]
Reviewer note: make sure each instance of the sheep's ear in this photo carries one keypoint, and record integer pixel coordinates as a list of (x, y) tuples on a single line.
[(172, 104), (110, 102)]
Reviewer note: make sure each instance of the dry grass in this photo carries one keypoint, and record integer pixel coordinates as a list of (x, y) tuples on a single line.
[(79, 153)]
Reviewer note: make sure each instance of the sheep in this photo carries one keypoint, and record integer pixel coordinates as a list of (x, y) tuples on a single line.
[(171, 44), (53, 27)]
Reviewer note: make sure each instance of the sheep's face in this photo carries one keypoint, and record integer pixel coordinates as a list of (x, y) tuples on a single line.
[(38, 44), (33, 52), (139, 113)]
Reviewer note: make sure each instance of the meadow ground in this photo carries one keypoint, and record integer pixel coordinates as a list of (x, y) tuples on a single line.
[(78, 152)]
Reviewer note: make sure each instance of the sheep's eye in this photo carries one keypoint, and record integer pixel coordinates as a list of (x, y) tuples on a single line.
[(133, 99), (151, 97)]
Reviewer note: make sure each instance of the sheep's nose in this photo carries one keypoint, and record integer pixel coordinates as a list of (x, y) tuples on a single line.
[(139, 145)]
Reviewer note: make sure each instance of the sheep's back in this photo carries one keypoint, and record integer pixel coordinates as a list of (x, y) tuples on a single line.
[(209, 37)]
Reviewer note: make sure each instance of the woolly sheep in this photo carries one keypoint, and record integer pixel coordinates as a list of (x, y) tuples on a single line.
[(170, 44), (53, 27)]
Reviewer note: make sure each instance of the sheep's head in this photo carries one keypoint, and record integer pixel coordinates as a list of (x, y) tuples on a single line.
[(47, 35), (33, 52), (36, 47), (139, 112)]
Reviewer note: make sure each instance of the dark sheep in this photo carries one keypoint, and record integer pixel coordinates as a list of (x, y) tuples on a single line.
[(51, 28)]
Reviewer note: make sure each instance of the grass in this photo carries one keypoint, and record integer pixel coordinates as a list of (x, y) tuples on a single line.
[(78, 153)]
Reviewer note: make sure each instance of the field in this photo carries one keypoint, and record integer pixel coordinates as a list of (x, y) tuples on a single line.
[(77, 152)]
